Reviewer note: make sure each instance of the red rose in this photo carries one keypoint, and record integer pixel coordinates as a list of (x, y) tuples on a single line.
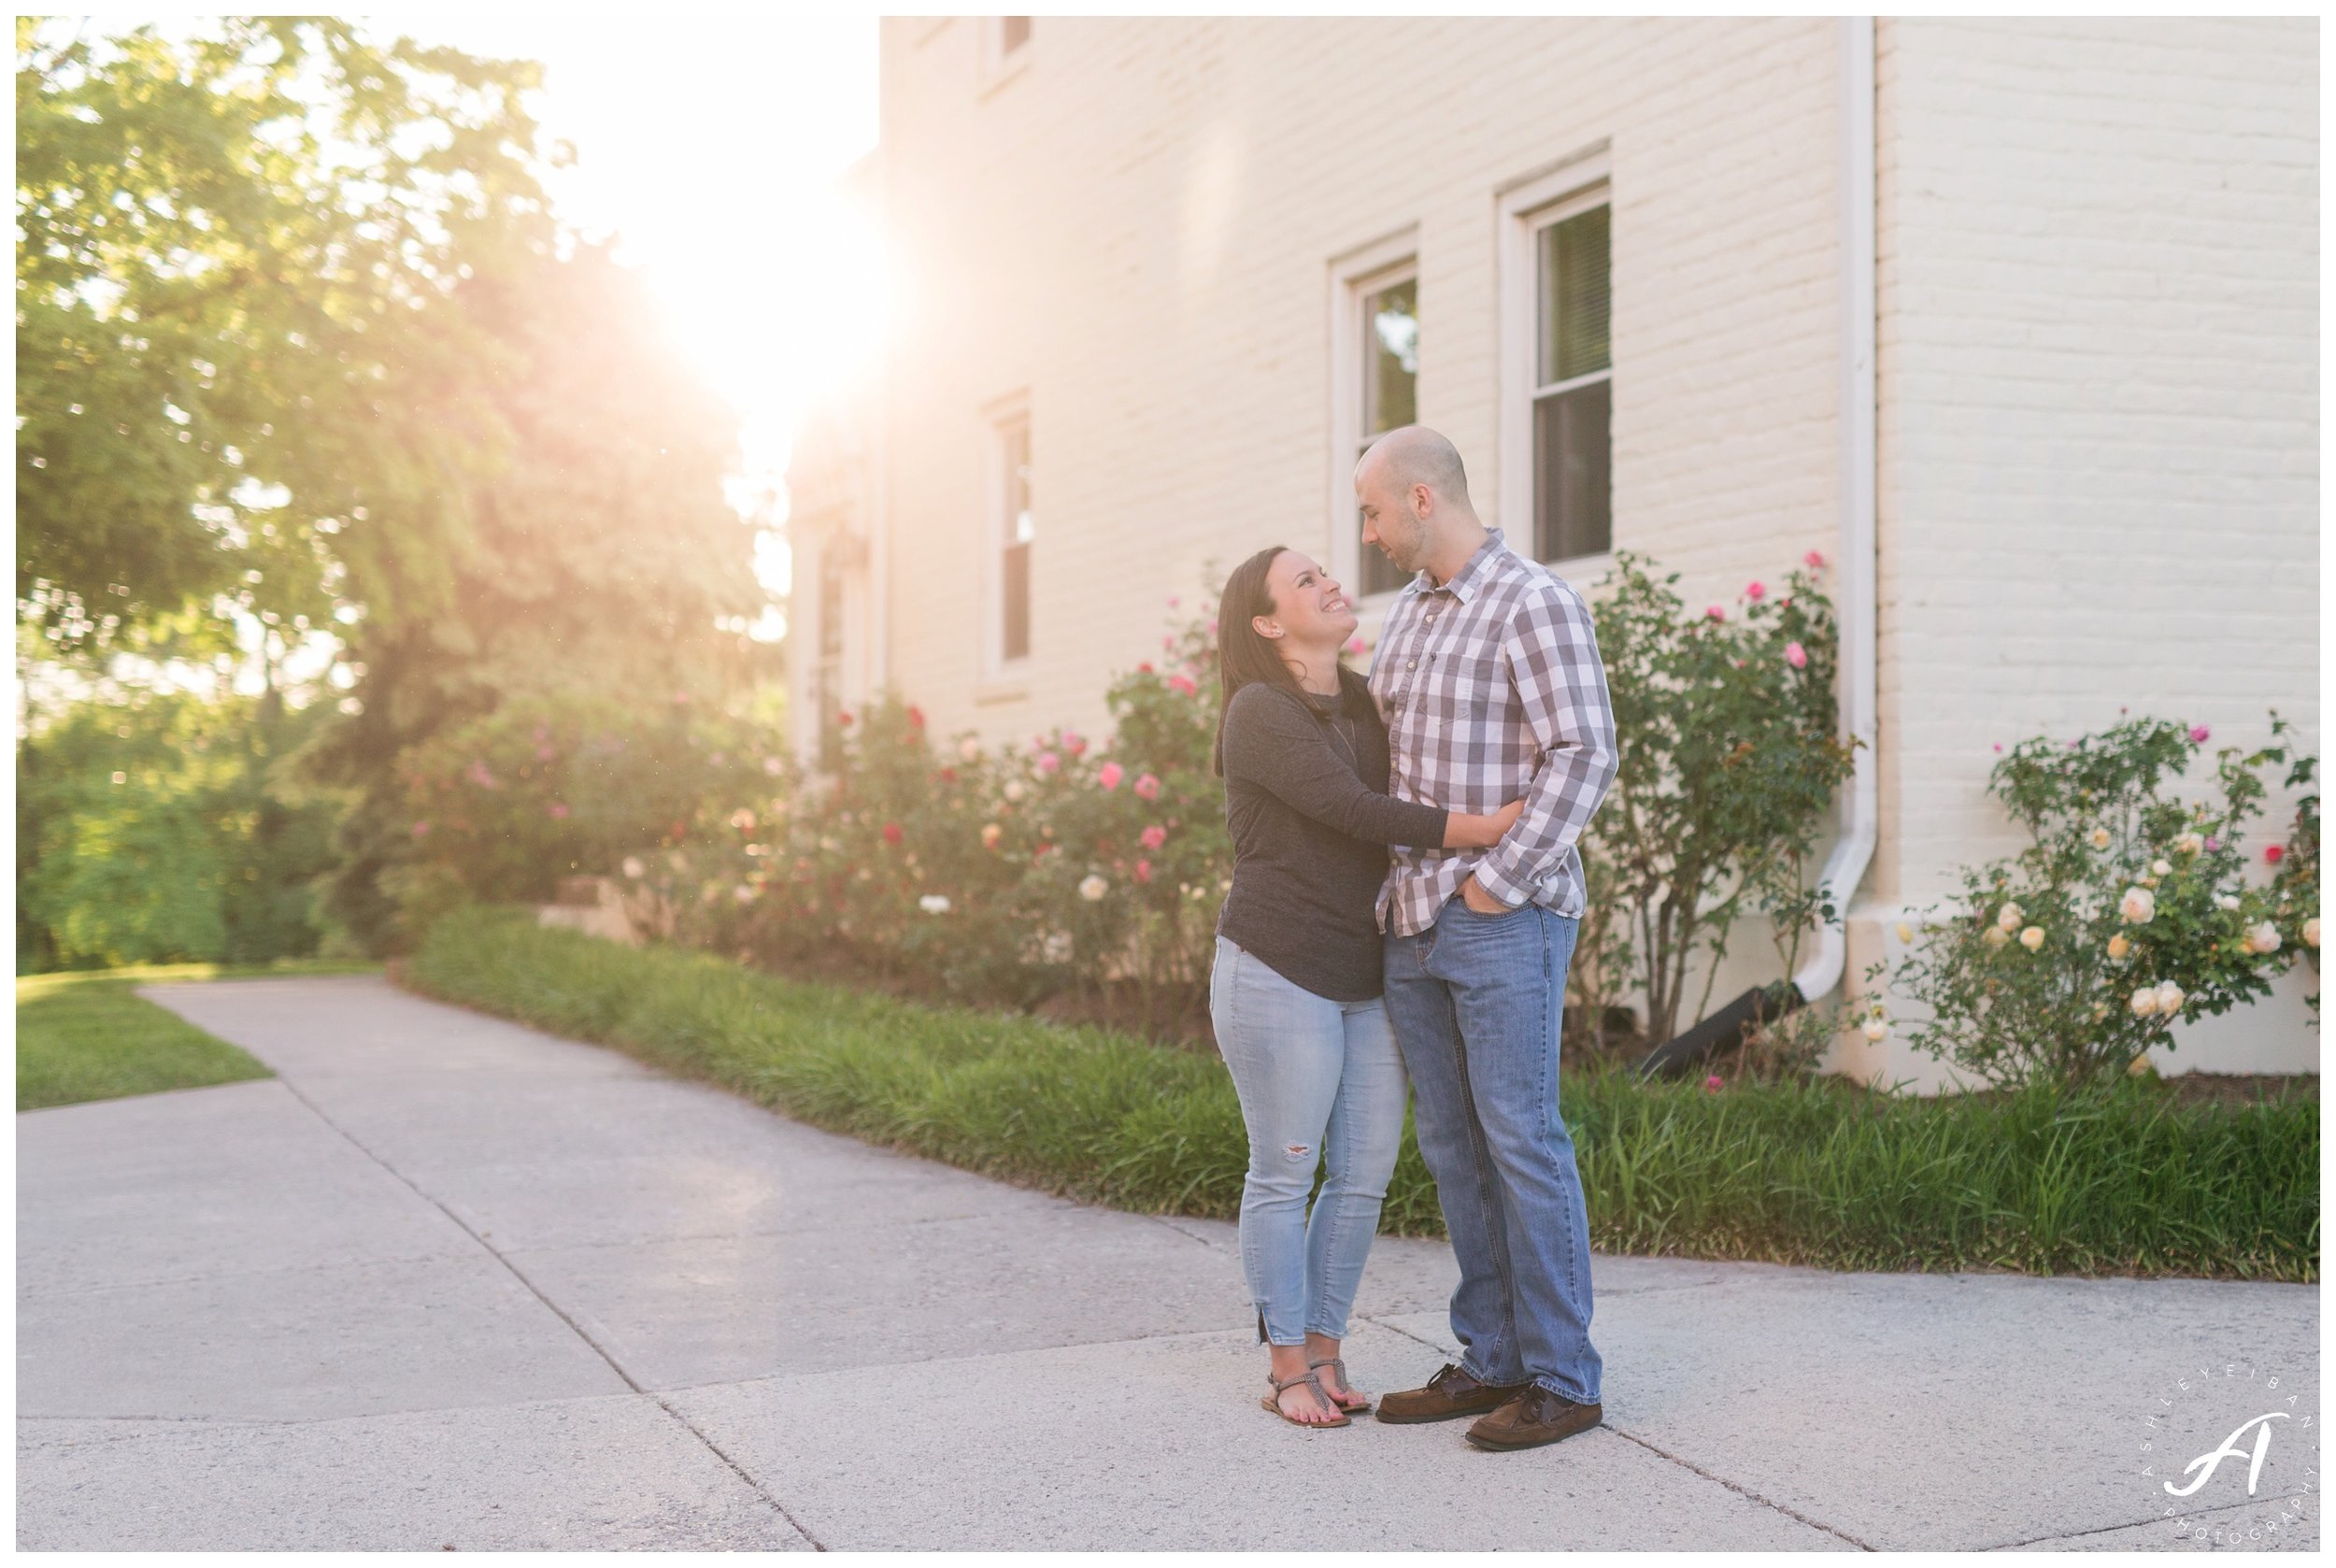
[(891, 833)]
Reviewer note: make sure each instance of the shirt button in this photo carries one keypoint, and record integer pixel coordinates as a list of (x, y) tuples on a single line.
[(1411, 664)]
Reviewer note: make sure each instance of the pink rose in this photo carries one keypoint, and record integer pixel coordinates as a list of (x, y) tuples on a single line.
[(1814, 559), (1712, 1084), (1797, 656), (1143, 871), (1146, 787), (1174, 600), (1755, 591), (1153, 836), (2274, 853), (1182, 684), (1716, 613), (891, 833), (1075, 743), (2197, 735), (1108, 776), (1354, 645), (557, 809), (422, 830), (1048, 762)]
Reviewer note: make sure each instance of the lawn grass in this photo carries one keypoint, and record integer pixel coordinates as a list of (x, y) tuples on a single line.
[(84, 1035), (2119, 1180)]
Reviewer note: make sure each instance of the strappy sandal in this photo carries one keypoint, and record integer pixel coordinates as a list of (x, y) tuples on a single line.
[(1361, 1405), (1273, 1400)]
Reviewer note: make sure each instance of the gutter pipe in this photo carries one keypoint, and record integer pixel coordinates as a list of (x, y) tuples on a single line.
[(1854, 606)]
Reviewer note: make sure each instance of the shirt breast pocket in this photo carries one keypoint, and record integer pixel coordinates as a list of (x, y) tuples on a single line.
[(1478, 684)]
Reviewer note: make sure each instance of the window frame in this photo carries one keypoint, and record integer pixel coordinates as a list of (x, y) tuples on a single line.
[(1000, 421), (1578, 186), (1354, 277)]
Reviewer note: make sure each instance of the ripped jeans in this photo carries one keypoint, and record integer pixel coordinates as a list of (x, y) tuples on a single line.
[(1321, 1084)]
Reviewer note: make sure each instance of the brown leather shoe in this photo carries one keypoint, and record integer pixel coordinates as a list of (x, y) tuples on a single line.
[(1533, 1417), (1450, 1392)]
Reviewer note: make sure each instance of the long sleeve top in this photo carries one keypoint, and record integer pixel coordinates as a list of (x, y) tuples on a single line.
[(1306, 781)]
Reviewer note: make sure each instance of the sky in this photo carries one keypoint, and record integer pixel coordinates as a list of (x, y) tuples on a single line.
[(710, 145)]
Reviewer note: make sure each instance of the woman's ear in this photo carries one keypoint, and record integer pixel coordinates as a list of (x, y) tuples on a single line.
[(1265, 628)]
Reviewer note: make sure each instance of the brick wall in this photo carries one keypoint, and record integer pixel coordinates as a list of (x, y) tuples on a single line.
[(2099, 416)]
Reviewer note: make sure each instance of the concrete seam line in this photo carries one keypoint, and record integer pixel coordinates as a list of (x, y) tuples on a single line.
[(1742, 1491), (556, 1310), (1396, 1328), (2136, 1524)]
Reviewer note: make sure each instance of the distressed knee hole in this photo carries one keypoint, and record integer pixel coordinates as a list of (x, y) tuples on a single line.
[(1295, 1152)]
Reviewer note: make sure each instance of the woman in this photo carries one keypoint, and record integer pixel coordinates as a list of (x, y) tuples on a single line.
[(1295, 993)]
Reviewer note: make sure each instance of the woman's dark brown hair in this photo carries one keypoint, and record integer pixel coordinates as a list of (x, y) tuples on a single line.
[(1242, 655)]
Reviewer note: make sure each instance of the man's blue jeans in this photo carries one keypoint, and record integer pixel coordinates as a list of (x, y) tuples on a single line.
[(1475, 1000)]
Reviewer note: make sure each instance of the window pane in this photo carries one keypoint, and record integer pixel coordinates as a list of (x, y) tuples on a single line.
[(1574, 275), (1013, 33), (1016, 619), (1390, 356), (1572, 490)]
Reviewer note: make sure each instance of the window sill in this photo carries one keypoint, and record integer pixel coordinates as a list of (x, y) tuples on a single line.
[(995, 690)]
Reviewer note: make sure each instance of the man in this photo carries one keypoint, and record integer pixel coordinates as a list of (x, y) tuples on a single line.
[(1488, 676)]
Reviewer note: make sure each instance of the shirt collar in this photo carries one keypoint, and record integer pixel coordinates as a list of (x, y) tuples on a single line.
[(1468, 579)]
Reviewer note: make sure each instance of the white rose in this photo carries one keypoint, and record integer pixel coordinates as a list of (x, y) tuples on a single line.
[(2189, 844), (2100, 838), (2264, 939), (934, 904), (633, 868), (2137, 907), (2228, 904), (2169, 998), (2145, 1001), (2161, 868), (1876, 1030), (2008, 917), (1093, 887), (1996, 936), (2312, 931), (1014, 789), (2031, 938), (969, 749)]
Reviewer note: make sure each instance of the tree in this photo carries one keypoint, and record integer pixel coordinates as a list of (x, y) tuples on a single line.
[(241, 381), (603, 565)]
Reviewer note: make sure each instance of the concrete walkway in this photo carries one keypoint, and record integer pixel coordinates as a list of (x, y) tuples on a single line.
[(447, 1282)]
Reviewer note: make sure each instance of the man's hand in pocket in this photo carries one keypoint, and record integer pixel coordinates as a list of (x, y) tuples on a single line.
[(1479, 899)]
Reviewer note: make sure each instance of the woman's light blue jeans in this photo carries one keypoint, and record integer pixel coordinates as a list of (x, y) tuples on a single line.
[(1321, 1084)]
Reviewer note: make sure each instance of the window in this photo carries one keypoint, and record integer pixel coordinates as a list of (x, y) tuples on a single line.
[(1376, 367), (1015, 525), (1559, 364)]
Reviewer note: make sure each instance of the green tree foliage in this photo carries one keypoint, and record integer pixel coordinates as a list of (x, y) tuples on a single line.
[(604, 569), (239, 372), (147, 833)]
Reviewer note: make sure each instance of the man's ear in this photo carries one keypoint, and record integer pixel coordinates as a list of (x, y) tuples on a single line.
[(1422, 502)]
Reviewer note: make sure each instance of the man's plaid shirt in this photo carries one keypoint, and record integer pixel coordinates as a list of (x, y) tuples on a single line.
[(1493, 689)]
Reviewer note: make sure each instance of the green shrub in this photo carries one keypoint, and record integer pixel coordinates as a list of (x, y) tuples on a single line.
[(151, 830), (2129, 910)]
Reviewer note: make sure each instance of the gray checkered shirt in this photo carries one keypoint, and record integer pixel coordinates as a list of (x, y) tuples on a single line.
[(1491, 689)]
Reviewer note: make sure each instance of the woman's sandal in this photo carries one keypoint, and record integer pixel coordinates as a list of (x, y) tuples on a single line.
[(1273, 1400), (1361, 1405)]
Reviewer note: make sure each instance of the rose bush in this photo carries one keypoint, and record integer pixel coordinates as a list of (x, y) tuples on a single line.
[(2130, 909)]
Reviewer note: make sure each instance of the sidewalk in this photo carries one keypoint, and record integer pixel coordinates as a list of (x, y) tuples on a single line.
[(450, 1282)]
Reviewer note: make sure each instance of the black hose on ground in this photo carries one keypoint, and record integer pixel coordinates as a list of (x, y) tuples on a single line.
[(1682, 1052)]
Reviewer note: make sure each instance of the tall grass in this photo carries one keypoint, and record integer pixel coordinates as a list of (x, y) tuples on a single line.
[(2117, 1180)]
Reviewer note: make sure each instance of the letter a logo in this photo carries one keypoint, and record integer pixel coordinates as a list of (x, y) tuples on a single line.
[(2229, 1450)]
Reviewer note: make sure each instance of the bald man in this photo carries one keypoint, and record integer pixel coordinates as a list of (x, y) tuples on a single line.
[(1489, 678)]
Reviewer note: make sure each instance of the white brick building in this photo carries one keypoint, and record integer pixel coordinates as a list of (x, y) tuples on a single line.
[(2032, 304)]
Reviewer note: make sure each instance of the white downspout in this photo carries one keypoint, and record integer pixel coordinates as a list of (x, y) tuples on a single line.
[(1855, 601)]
